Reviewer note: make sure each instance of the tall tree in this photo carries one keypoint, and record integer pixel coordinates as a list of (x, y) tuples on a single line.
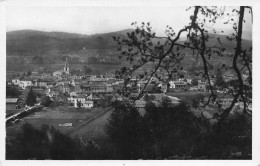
[(194, 82), (219, 78), (125, 130), (30, 98)]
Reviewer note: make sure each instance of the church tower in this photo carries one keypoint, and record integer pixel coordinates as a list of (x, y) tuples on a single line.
[(66, 67)]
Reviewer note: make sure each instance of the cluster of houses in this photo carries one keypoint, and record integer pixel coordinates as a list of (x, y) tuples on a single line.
[(82, 90), (85, 91)]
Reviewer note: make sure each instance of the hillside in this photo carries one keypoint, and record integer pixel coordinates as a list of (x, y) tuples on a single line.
[(31, 43)]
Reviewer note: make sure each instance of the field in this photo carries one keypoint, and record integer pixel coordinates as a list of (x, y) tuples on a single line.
[(62, 118), (94, 129)]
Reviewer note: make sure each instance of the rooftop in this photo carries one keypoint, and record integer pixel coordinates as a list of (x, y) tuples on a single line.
[(11, 100)]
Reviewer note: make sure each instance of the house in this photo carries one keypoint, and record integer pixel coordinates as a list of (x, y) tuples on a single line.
[(54, 91), (89, 96), (188, 80), (41, 83), (163, 87), (85, 87), (109, 88), (58, 73), (88, 104), (34, 82), (178, 86), (225, 101), (156, 99), (35, 73), (193, 88), (202, 86), (97, 80), (12, 103), (73, 94), (80, 101), (16, 81), (25, 82), (228, 76), (77, 99), (98, 88), (111, 80), (51, 93), (77, 87), (118, 87), (67, 88)]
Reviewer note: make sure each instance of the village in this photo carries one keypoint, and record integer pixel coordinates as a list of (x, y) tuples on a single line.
[(89, 91), (80, 106)]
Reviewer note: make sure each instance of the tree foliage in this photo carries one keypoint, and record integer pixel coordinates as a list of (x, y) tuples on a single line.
[(219, 78), (46, 143), (46, 101), (30, 98), (194, 82), (167, 130), (143, 46), (12, 91), (125, 130)]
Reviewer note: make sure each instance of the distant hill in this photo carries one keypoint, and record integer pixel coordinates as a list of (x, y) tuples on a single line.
[(31, 42), (23, 34)]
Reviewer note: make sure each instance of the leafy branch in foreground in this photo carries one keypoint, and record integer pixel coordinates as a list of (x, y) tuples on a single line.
[(143, 48)]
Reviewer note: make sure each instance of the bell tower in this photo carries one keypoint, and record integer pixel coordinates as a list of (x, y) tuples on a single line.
[(66, 67)]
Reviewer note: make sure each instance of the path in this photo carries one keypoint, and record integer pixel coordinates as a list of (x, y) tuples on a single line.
[(93, 128), (24, 110)]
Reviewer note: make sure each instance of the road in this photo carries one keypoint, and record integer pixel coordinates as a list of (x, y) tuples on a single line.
[(94, 128), (24, 110)]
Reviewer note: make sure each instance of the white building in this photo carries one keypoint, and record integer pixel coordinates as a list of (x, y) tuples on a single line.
[(88, 104), (25, 82), (80, 101), (202, 86), (178, 85), (16, 81)]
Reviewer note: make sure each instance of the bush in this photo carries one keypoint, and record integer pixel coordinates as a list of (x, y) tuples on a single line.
[(168, 130), (46, 143), (46, 101), (125, 129), (30, 98)]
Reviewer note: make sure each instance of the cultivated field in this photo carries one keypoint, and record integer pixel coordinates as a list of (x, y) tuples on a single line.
[(62, 118), (94, 129)]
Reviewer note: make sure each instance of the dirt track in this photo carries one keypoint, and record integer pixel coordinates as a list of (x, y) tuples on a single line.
[(94, 128)]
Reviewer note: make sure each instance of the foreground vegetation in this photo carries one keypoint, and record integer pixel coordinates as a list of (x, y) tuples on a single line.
[(163, 132)]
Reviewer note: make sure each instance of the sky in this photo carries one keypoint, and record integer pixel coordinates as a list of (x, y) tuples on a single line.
[(100, 19)]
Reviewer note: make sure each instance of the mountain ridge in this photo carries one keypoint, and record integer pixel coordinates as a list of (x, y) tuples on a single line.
[(34, 42)]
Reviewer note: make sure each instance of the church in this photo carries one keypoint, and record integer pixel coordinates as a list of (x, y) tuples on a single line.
[(65, 71)]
